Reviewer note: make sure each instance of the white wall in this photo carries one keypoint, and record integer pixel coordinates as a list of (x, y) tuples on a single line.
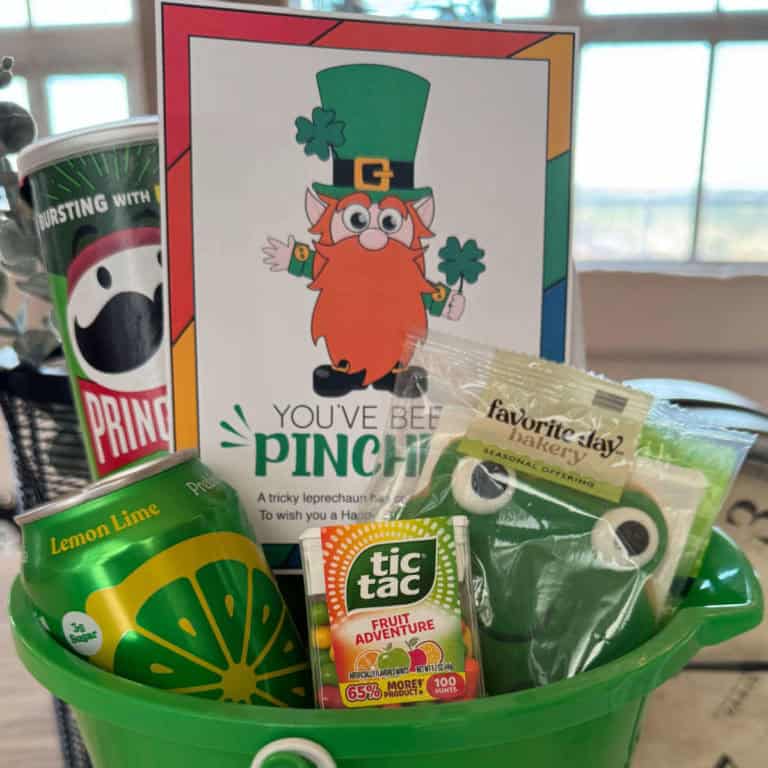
[(650, 325)]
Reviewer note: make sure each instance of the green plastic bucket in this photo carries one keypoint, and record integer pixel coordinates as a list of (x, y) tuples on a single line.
[(591, 721)]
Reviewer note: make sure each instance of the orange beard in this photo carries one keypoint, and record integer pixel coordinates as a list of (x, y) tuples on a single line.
[(369, 302)]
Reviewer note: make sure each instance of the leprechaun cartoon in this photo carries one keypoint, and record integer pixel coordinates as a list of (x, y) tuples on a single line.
[(367, 263)]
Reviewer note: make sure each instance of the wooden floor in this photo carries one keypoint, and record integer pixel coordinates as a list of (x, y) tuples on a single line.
[(27, 730)]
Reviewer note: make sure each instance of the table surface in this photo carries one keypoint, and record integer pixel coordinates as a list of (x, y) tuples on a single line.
[(27, 726)]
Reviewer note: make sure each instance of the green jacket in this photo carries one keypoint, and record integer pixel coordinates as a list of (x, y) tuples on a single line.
[(302, 265)]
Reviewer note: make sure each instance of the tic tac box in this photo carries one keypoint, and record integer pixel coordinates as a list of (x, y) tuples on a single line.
[(331, 184)]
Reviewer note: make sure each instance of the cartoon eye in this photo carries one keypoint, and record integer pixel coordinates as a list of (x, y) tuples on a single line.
[(104, 277), (390, 221), (160, 258), (356, 218), (626, 538), (482, 487)]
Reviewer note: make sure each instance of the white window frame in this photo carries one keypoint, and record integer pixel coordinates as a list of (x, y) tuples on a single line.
[(710, 26), (76, 50)]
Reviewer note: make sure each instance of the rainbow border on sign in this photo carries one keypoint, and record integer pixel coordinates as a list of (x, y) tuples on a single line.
[(180, 23)]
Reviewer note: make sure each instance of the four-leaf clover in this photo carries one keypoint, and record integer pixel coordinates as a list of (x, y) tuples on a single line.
[(320, 133), (461, 262)]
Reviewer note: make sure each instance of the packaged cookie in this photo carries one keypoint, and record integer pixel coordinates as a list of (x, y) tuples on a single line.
[(590, 505)]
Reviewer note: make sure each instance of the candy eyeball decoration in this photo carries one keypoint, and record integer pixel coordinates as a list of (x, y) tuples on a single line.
[(481, 487), (626, 538)]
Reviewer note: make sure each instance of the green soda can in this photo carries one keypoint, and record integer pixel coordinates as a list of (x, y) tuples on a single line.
[(153, 574), (95, 194)]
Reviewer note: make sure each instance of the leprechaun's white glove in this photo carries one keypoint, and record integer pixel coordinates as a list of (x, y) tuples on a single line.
[(278, 253)]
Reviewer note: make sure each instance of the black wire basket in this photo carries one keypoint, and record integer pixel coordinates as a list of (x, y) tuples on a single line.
[(50, 462)]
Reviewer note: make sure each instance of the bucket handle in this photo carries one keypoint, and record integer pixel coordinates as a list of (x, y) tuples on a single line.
[(728, 599), (300, 752)]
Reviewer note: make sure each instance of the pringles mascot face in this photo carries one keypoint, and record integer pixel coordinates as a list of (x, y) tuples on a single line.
[(561, 577), (115, 310)]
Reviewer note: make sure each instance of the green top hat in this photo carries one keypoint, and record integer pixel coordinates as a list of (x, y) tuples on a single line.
[(371, 120)]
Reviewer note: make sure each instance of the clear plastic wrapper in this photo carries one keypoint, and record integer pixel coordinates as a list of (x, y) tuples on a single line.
[(590, 505), (391, 614)]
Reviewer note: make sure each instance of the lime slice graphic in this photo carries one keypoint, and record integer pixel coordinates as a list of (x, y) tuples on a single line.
[(203, 618)]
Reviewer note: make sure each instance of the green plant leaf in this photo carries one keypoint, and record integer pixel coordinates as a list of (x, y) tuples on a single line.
[(8, 320), (320, 134), (19, 250), (19, 269), (21, 317), (35, 346), (37, 285), (53, 325)]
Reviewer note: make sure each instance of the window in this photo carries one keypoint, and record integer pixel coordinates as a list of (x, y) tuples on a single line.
[(638, 150), (671, 170), (435, 10), (56, 12), (744, 5), (76, 101), (522, 9), (623, 7), (77, 62), (734, 206), (14, 14)]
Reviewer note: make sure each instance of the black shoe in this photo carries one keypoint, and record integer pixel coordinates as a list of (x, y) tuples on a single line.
[(385, 383), (412, 382), (329, 382)]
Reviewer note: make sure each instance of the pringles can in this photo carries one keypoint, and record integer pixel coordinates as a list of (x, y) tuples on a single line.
[(153, 574), (96, 199)]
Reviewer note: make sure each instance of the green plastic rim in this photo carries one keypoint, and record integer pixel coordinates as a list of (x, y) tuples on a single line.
[(725, 601)]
